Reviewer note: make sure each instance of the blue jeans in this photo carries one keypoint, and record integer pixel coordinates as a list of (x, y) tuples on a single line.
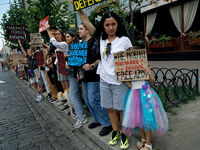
[(91, 94), (74, 94)]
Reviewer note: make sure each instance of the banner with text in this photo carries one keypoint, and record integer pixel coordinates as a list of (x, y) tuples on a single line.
[(43, 23), (131, 65), (78, 54), (81, 4), (15, 32), (35, 39), (61, 63), (40, 58)]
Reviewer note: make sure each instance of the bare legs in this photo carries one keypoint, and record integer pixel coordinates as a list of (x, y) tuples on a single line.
[(113, 115), (146, 136), (65, 84)]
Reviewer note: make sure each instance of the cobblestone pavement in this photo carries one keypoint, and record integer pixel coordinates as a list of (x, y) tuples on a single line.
[(28, 125)]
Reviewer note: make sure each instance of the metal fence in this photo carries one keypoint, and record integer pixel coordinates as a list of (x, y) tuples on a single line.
[(175, 85)]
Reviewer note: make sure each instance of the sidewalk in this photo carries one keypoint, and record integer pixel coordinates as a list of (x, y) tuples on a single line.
[(183, 132)]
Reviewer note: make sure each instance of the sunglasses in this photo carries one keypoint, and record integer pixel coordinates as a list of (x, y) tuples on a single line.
[(107, 50)]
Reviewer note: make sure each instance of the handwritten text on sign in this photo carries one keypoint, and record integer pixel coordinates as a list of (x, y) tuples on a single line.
[(80, 4), (36, 39), (61, 63), (131, 65), (43, 23), (78, 54), (15, 32), (40, 58)]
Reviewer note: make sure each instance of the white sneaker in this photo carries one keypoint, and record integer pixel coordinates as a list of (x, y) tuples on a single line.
[(80, 122), (76, 117), (39, 98)]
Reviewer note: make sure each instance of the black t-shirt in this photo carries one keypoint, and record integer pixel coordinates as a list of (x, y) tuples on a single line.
[(90, 76), (32, 63)]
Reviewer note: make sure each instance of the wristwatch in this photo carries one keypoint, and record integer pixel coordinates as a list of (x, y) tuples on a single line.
[(92, 66)]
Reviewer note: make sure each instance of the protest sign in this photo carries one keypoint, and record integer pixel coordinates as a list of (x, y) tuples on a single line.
[(61, 63), (78, 54), (131, 65), (81, 4), (15, 32), (40, 58), (43, 23), (35, 39)]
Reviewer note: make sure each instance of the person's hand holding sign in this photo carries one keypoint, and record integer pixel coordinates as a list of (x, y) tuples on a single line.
[(48, 27)]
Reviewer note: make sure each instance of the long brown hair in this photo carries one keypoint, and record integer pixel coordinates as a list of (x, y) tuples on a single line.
[(62, 33)]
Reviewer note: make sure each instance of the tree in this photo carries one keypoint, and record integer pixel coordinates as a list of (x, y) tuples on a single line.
[(58, 13), (14, 16), (121, 11)]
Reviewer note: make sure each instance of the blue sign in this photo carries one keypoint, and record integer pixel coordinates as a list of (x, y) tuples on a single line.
[(78, 54)]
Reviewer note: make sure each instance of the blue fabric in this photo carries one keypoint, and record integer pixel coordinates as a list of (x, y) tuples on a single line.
[(17, 72), (74, 95), (91, 94)]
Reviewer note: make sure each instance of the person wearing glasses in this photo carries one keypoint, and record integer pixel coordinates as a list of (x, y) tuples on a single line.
[(112, 39)]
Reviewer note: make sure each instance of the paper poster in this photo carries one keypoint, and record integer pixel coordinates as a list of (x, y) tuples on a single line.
[(78, 54), (40, 58), (81, 4), (35, 39), (43, 23), (15, 32), (61, 63), (131, 65)]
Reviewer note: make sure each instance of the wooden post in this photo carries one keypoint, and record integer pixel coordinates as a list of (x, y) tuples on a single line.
[(182, 28), (145, 33)]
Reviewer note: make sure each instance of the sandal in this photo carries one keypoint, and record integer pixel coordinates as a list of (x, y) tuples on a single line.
[(141, 144), (149, 146)]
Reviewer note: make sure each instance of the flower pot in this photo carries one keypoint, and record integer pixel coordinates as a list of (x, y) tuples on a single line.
[(170, 43), (194, 41)]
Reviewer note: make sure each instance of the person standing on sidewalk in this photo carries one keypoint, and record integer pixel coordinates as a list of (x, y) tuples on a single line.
[(90, 85), (74, 92), (143, 111), (112, 39)]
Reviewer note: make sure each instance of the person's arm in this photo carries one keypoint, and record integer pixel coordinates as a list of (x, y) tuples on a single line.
[(44, 45), (148, 71), (49, 31), (86, 21), (22, 48), (88, 67), (39, 72), (128, 83), (31, 49)]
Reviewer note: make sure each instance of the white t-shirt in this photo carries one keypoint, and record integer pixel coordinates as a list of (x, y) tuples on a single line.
[(60, 46), (106, 67)]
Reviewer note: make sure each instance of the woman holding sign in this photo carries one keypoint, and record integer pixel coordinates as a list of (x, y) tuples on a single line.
[(59, 41), (112, 40)]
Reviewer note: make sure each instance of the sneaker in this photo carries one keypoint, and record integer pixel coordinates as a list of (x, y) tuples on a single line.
[(80, 122), (114, 138), (76, 117), (93, 125), (61, 103), (105, 130), (39, 99), (124, 142), (52, 101), (49, 96), (65, 108)]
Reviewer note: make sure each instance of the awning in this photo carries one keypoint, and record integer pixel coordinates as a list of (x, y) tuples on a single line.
[(153, 6)]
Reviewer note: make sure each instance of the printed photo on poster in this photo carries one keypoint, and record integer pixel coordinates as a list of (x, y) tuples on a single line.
[(130, 65), (43, 23), (40, 58), (61, 63)]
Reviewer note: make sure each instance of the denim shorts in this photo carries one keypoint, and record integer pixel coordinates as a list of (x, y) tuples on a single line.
[(112, 96), (35, 78)]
